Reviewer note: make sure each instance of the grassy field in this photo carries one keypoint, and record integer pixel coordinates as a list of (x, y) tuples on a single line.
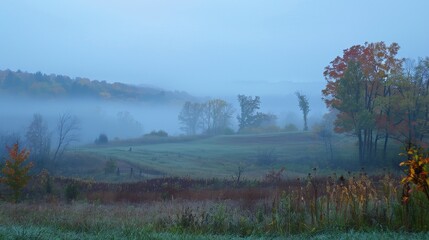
[(220, 156), (182, 220), (26, 232), (183, 188)]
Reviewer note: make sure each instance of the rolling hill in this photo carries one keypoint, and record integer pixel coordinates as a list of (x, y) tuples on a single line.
[(19, 83), (220, 156)]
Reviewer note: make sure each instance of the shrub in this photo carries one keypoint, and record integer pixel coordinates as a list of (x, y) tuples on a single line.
[(417, 172), (102, 139), (160, 133)]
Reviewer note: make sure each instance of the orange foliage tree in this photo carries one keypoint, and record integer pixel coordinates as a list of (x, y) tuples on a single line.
[(16, 174), (417, 172), (356, 82)]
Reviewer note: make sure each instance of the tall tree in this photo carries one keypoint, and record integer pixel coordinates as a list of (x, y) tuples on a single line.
[(67, 133), (367, 68), (190, 117), (304, 106), (410, 102), (248, 107), (216, 116), (39, 140)]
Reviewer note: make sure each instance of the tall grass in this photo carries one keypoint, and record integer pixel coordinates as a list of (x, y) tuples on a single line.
[(354, 202)]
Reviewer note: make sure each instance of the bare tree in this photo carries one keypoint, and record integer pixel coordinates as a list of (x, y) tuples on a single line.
[(241, 167), (190, 117), (67, 132), (39, 140)]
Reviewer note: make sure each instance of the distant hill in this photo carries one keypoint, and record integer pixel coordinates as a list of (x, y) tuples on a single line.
[(19, 83)]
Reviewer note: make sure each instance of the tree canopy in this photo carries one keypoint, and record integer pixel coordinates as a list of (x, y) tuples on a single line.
[(378, 96)]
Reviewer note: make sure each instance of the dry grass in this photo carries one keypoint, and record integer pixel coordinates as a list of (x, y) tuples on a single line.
[(184, 205)]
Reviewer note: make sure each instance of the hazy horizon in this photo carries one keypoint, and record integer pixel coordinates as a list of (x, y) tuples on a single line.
[(209, 49), (202, 47)]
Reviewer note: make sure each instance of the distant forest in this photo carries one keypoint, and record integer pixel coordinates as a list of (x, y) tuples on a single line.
[(37, 84)]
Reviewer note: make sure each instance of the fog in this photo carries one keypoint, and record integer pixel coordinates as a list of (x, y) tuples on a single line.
[(202, 47), (122, 119), (209, 49), (115, 119)]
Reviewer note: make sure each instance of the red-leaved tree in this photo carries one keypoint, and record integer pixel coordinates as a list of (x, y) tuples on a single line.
[(16, 174), (356, 82)]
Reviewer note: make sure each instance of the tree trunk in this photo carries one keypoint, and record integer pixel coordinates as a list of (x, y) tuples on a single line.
[(330, 148), (386, 138), (361, 148)]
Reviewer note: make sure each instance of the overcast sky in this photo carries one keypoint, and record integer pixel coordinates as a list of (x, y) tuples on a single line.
[(214, 47)]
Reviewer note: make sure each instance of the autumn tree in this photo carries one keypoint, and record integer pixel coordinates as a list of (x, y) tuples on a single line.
[(212, 117), (304, 106), (216, 116), (410, 102), (15, 173), (39, 140), (366, 70), (7, 139), (190, 117), (248, 107), (67, 133)]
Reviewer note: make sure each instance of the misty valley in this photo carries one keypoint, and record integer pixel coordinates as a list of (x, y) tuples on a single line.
[(212, 167)]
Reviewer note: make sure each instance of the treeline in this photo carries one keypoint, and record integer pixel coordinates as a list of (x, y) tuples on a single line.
[(379, 98), (216, 116), (41, 85)]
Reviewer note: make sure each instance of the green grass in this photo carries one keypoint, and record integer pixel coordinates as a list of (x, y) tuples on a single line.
[(220, 156), (15, 232), (145, 221)]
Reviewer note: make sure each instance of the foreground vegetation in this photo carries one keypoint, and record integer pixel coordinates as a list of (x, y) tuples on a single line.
[(276, 203), (355, 205), (19, 232)]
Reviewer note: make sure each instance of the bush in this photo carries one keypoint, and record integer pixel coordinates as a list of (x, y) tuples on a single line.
[(417, 173), (160, 133), (102, 139)]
